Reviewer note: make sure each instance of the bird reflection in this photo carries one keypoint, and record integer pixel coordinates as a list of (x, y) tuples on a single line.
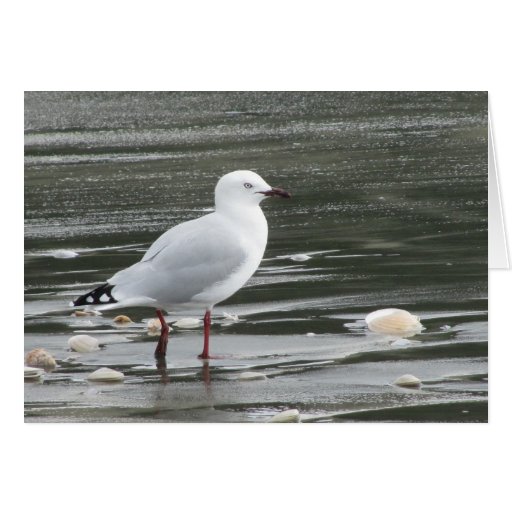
[(161, 366), (205, 374)]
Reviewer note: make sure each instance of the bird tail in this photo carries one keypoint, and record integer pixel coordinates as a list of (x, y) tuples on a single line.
[(100, 295)]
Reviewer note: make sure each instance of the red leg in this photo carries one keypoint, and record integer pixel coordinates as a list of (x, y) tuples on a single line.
[(161, 348), (206, 348)]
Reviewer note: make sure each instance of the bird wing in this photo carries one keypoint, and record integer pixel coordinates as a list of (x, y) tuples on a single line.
[(174, 234), (183, 262)]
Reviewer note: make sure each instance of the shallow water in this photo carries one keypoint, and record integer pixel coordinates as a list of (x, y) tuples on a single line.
[(389, 200)]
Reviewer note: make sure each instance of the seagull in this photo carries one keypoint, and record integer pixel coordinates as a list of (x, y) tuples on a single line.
[(198, 263)]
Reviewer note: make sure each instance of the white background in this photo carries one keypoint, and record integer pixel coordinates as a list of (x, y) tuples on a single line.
[(269, 45)]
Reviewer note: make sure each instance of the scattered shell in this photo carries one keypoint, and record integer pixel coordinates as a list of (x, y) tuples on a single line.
[(86, 312), (33, 373), (83, 343), (252, 376), (401, 342), (408, 381), (154, 325), (64, 254), (394, 321), (82, 323), (310, 334), (81, 313), (40, 358), (288, 416), (300, 257), (233, 318), (106, 375), (123, 319), (187, 323)]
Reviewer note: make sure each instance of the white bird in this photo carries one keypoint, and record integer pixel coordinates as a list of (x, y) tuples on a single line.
[(197, 263)]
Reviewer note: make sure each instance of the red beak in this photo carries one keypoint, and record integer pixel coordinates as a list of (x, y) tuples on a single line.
[(276, 192)]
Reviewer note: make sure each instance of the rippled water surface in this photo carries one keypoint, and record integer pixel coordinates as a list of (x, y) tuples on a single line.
[(389, 200)]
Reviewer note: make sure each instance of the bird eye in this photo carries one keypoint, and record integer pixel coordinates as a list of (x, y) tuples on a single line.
[(247, 185)]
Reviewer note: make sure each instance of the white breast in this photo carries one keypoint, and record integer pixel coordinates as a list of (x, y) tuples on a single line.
[(251, 230)]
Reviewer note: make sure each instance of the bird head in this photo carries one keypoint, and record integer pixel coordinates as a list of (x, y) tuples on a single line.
[(244, 188)]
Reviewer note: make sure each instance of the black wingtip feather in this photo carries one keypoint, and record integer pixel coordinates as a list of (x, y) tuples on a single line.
[(97, 296)]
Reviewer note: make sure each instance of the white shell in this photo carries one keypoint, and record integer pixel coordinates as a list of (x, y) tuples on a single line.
[(300, 257), (401, 342), (64, 254), (83, 343), (86, 312), (80, 312), (408, 381), (288, 416), (394, 321), (40, 358), (32, 373), (233, 318), (106, 375), (310, 334), (154, 325), (187, 323), (252, 376), (122, 319)]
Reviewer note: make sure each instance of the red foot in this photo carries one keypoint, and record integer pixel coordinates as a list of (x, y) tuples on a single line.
[(161, 348), (205, 354)]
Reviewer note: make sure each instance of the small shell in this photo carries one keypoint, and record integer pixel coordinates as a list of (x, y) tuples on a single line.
[(106, 375), (83, 343), (288, 416), (154, 325), (81, 313), (64, 254), (394, 321), (233, 318), (33, 373), (122, 319), (401, 342), (187, 323), (40, 358), (252, 376), (310, 334), (86, 312), (408, 381), (300, 257)]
